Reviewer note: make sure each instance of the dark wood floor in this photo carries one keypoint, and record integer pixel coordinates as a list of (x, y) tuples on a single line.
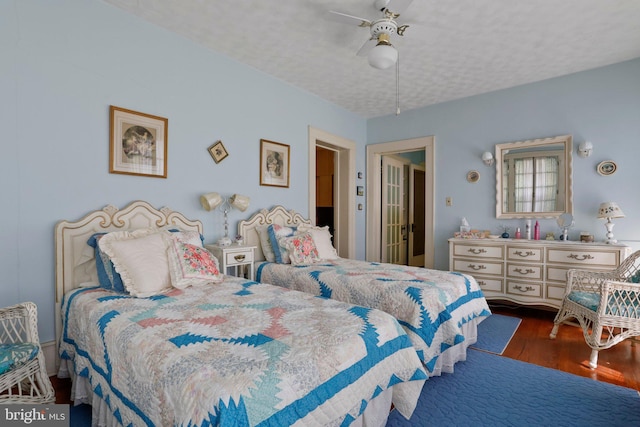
[(568, 352)]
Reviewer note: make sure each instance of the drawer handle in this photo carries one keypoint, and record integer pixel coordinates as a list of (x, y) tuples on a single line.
[(525, 289), (580, 257), (477, 251), (524, 254), (521, 271), (477, 267), (482, 283), (239, 258)]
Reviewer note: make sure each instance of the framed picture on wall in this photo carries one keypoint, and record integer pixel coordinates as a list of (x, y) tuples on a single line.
[(138, 143), (217, 151), (274, 164)]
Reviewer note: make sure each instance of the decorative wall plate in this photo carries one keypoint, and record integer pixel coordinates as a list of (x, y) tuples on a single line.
[(473, 176), (607, 167)]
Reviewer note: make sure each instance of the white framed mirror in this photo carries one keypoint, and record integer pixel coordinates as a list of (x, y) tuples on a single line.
[(534, 178)]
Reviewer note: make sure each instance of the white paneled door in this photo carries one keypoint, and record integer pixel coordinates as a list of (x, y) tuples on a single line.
[(393, 223)]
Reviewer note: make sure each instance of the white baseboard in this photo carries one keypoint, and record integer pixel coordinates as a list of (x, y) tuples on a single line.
[(50, 357)]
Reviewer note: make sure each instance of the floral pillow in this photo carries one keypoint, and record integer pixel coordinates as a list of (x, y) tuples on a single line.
[(301, 248), (191, 265), (322, 239)]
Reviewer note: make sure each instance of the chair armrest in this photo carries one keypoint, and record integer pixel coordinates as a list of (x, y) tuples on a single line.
[(623, 299), (19, 323)]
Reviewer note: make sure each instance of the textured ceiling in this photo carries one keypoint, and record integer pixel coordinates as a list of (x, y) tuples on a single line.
[(452, 49)]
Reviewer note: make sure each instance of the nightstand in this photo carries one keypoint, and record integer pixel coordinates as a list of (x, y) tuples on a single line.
[(234, 256)]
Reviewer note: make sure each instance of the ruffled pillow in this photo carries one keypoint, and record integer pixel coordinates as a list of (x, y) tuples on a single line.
[(265, 243), (275, 233), (322, 239), (140, 257), (191, 265), (301, 248)]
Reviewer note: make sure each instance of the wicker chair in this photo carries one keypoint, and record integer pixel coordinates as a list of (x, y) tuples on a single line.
[(603, 324), (23, 376)]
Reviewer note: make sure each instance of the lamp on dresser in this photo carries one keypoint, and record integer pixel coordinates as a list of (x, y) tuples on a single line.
[(609, 210), (211, 201)]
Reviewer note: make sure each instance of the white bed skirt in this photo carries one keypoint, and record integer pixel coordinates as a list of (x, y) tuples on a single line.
[(457, 353)]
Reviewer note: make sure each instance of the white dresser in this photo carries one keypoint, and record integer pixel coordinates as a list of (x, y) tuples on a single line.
[(529, 271)]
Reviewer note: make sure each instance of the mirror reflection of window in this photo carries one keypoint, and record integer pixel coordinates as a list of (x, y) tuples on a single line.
[(534, 177)]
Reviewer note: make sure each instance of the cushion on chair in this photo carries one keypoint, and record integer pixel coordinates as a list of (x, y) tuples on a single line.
[(15, 354), (589, 300)]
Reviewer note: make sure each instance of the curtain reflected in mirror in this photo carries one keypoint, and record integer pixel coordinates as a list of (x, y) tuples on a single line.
[(534, 178)]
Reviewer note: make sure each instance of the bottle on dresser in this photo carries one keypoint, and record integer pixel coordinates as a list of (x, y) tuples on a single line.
[(536, 231), (527, 229)]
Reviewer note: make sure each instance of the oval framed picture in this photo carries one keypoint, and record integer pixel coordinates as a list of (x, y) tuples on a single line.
[(473, 176), (607, 167)]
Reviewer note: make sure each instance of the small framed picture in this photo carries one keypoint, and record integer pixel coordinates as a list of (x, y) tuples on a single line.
[(217, 151), (607, 167), (138, 143), (274, 164), (360, 190)]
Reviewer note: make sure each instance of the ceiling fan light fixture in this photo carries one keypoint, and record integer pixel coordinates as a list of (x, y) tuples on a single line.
[(383, 55)]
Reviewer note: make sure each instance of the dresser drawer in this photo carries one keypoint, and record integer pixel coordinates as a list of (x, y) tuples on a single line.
[(588, 258), (557, 274), (478, 267), (555, 292), (524, 254), (528, 289), (478, 251), (518, 271), (489, 284)]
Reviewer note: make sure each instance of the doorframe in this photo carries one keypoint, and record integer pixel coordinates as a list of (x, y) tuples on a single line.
[(344, 237), (374, 202)]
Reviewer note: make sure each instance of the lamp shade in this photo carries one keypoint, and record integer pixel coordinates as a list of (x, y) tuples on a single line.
[(382, 56), (210, 201), (239, 202), (610, 210)]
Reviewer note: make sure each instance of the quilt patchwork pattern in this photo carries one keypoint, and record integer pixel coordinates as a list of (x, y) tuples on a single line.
[(239, 353), (431, 305)]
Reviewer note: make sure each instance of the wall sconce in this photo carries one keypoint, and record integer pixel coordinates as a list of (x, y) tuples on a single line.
[(211, 201), (585, 149), (487, 158)]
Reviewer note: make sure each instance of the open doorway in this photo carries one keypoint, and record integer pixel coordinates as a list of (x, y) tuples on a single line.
[(403, 208), (375, 235), (344, 187)]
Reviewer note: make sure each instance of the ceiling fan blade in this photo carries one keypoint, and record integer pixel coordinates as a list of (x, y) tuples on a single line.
[(398, 6), (367, 46), (349, 19)]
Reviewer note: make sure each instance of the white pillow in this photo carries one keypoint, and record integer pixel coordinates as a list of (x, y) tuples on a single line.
[(265, 243), (140, 257), (191, 265), (322, 239)]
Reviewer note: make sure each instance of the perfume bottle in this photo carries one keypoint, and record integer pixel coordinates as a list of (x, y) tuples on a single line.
[(518, 235), (536, 231)]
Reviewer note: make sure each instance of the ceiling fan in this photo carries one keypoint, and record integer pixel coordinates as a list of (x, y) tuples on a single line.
[(378, 48)]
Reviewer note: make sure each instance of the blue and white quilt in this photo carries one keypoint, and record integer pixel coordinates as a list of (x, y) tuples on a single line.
[(431, 305), (236, 353)]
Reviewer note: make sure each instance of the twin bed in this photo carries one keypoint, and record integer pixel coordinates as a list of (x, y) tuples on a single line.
[(439, 310), (231, 351)]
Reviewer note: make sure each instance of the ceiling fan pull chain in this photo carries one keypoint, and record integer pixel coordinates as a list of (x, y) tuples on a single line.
[(398, 86)]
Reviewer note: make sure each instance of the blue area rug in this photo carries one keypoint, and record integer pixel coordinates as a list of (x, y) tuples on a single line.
[(80, 416), (495, 332), (491, 390)]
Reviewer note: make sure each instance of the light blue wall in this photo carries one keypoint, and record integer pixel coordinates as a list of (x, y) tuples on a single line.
[(63, 63), (601, 106)]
